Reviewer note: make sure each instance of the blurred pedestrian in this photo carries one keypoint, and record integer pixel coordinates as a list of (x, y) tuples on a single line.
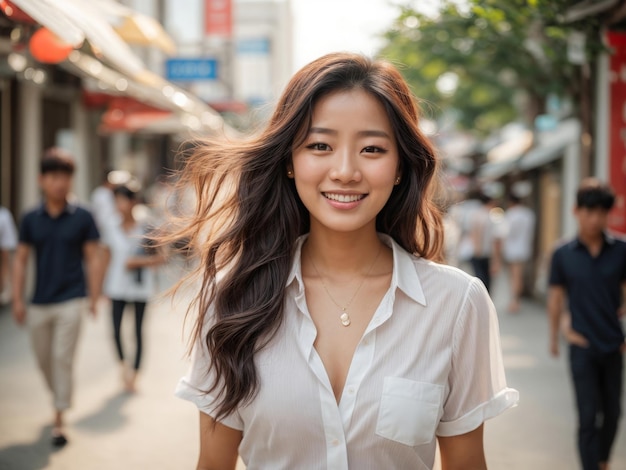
[(312, 294), (517, 246), (590, 273), (452, 238), (103, 202), (8, 243), (485, 239), (62, 236), (461, 213), (129, 278)]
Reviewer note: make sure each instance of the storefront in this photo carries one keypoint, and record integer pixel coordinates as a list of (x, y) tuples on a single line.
[(45, 93), (550, 170)]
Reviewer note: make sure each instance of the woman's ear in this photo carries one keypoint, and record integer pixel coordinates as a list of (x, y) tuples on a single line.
[(398, 175)]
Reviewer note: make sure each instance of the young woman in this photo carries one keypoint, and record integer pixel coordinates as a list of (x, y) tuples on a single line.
[(327, 336), (129, 277)]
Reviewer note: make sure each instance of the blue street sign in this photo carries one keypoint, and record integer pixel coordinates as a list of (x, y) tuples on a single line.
[(260, 46), (190, 70)]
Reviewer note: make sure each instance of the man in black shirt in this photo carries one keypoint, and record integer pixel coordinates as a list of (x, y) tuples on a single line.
[(590, 272), (62, 236)]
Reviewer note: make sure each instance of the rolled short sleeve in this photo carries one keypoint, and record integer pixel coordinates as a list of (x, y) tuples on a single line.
[(193, 386), (477, 382)]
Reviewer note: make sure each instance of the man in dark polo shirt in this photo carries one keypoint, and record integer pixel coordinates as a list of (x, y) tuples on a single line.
[(590, 272), (62, 236)]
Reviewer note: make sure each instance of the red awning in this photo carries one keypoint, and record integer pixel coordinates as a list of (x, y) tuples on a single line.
[(231, 106), (129, 115)]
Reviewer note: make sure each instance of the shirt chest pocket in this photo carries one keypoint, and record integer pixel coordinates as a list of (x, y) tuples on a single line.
[(409, 411)]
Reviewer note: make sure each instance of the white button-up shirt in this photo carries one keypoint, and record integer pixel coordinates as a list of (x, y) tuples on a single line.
[(428, 364), (121, 283)]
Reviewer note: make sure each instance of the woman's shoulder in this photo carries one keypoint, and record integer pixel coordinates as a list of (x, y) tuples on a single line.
[(447, 284), (435, 278), (451, 275)]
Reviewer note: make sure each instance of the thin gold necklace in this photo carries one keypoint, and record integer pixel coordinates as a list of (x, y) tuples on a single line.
[(344, 317)]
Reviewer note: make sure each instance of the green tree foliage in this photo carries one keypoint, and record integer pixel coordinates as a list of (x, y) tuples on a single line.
[(506, 56)]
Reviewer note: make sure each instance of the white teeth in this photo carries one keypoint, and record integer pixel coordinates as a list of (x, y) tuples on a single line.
[(344, 197)]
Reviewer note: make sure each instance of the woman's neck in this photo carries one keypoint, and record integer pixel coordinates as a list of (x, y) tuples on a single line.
[(342, 254)]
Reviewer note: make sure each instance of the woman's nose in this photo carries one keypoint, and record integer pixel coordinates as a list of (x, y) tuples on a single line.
[(345, 166)]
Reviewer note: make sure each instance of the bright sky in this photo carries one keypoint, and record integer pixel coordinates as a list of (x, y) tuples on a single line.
[(322, 26)]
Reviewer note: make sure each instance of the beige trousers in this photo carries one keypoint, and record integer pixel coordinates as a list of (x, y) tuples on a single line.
[(54, 330)]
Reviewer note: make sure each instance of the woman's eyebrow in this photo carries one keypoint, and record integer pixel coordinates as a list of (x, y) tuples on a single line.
[(365, 133), (322, 130), (374, 133)]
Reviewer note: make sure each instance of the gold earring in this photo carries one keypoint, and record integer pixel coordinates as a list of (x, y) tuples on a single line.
[(290, 173), (397, 182)]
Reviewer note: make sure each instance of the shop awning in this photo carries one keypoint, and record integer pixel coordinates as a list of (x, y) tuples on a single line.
[(187, 112), (549, 145), (586, 8), (494, 171), (73, 21), (127, 114), (114, 68)]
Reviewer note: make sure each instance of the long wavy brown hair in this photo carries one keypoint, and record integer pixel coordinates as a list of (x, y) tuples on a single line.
[(248, 215)]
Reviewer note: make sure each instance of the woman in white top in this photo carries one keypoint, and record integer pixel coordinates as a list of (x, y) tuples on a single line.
[(517, 247), (326, 336), (129, 277), (8, 244)]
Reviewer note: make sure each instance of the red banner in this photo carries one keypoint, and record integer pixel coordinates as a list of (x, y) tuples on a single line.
[(218, 18), (617, 128)]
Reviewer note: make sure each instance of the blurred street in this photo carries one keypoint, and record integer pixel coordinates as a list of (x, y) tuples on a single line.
[(109, 429), (520, 103)]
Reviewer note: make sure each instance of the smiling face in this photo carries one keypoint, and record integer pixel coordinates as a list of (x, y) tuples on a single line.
[(348, 163)]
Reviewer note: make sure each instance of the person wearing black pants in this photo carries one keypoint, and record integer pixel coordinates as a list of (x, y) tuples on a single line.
[(590, 273), (482, 270), (129, 278), (485, 239), (118, 312), (597, 379)]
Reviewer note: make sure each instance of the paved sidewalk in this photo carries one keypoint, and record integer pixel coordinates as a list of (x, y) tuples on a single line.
[(107, 428), (152, 429)]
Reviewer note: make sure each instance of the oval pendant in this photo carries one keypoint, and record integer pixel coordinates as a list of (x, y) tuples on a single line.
[(345, 319)]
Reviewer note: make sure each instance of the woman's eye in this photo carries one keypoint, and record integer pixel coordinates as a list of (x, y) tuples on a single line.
[(318, 146), (373, 149)]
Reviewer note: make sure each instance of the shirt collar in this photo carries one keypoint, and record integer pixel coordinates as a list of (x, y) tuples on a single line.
[(608, 240), (404, 275), (296, 263), (68, 209)]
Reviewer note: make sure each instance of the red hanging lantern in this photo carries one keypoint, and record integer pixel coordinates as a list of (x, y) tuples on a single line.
[(46, 47), (14, 13)]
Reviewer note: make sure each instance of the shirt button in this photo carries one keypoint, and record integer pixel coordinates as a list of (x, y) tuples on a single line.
[(351, 390), (335, 442)]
